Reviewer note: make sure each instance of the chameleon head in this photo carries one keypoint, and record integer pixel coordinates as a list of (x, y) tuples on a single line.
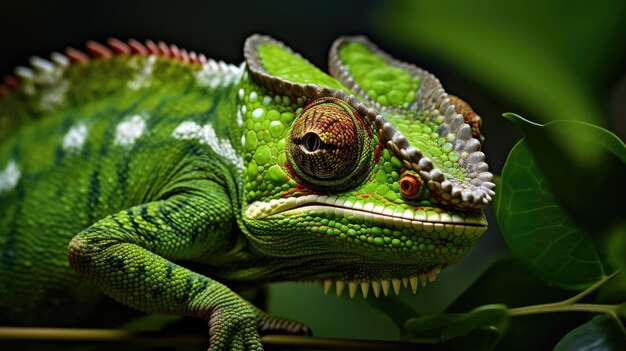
[(366, 179)]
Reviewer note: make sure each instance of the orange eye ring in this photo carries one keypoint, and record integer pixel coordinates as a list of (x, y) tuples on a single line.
[(410, 186)]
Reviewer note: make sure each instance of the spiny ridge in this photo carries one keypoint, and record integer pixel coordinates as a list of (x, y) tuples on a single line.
[(95, 51)]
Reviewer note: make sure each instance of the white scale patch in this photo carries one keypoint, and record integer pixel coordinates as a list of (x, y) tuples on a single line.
[(9, 176), (258, 113), (206, 135), (214, 74), (253, 96), (143, 78), (54, 96), (47, 79), (240, 113), (127, 132), (75, 138)]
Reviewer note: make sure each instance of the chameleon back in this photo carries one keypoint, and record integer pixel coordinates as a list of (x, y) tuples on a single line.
[(84, 140)]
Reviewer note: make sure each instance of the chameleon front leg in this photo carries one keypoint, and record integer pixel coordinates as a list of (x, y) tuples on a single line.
[(127, 255)]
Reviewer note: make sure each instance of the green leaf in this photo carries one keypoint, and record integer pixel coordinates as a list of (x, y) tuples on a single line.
[(560, 198), (538, 230), (509, 282), (582, 164), (491, 318), (542, 55), (600, 333), (616, 244)]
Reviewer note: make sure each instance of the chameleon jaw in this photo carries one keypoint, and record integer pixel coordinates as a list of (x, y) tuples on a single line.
[(390, 220), (381, 226), (407, 270), (416, 220), (382, 284)]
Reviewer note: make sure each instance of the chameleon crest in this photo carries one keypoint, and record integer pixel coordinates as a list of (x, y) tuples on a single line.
[(164, 179)]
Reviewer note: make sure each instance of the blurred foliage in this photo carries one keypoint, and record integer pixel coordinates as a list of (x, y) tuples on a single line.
[(551, 57), (602, 332)]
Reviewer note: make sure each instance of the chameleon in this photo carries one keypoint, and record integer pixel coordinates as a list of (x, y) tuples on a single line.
[(165, 180)]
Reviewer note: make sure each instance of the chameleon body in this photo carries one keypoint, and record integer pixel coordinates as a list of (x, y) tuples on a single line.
[(122, 168)]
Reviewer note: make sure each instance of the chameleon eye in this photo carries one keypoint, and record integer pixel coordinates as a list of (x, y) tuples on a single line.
[(410, 186), (311, 142), (327, 145)]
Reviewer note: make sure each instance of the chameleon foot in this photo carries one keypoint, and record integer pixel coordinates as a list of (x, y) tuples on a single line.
[(276, 325), (234, 330)]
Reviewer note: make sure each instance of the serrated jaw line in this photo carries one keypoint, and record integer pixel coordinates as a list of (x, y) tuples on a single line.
[(412, 284)]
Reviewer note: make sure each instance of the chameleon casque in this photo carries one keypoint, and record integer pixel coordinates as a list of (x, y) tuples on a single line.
[(122, 166)]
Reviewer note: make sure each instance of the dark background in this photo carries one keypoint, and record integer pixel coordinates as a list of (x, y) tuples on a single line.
[(564, 32)]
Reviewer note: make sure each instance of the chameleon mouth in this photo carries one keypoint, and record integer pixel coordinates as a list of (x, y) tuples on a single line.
[(380, 285), (456, 224), (468, 225)]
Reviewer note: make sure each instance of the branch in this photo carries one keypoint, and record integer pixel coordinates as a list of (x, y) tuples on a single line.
[(69, 335)]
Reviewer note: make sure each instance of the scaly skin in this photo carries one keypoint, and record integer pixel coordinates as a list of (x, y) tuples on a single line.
[(135, 162)]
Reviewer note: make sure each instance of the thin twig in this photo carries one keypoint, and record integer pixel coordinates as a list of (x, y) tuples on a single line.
[(590, 289), (551, 308), (570, 304)]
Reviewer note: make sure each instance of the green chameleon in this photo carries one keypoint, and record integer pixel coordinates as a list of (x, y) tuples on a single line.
[(161, 178)]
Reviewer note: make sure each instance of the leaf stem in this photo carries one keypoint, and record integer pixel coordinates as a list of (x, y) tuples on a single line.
[(590, 289), (559, 307), (570, 304)]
